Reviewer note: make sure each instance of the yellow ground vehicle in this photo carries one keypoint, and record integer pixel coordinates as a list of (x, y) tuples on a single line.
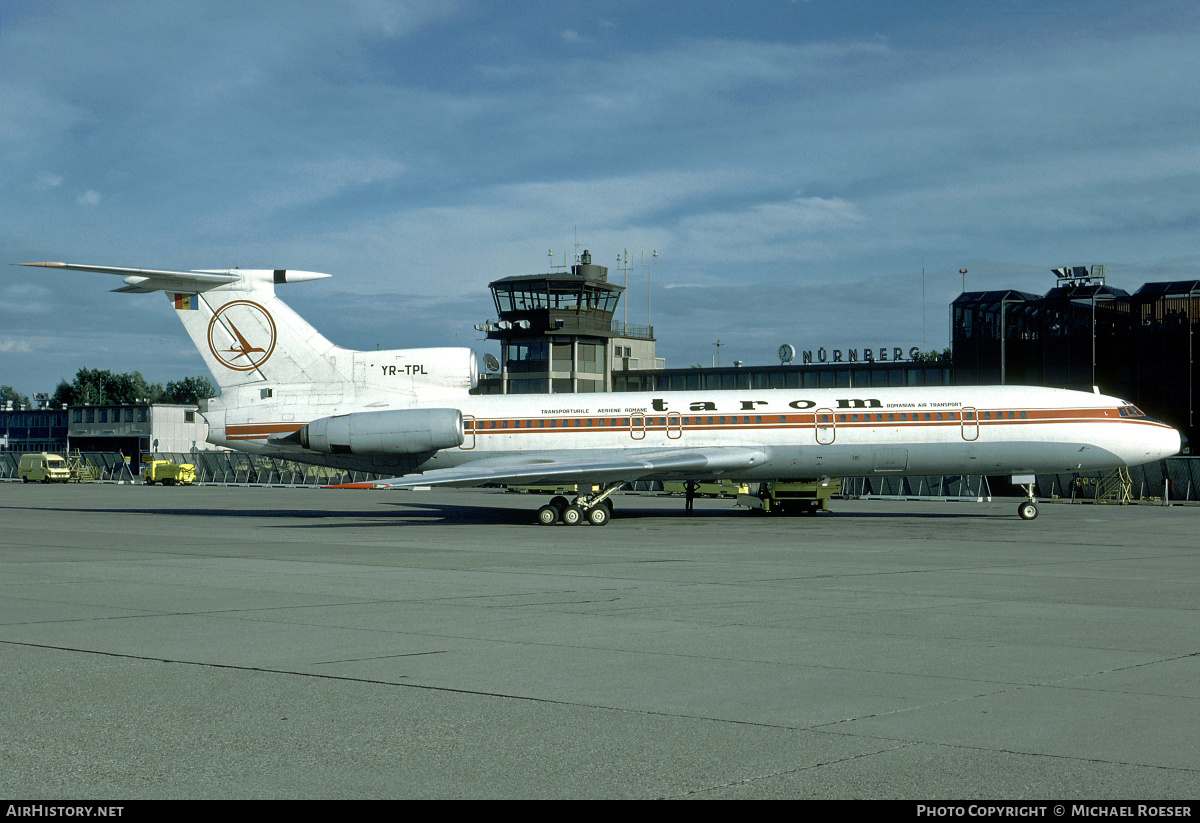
[(719, 488), (43, 468), (168, 473), (808, 497)]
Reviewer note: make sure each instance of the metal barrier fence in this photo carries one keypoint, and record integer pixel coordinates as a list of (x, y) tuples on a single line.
[(1176, 479), (967, 487)]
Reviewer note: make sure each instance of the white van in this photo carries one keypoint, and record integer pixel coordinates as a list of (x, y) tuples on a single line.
[(43, 468)]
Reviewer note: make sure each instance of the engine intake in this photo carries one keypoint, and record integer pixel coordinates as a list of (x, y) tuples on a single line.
[(405, 431)]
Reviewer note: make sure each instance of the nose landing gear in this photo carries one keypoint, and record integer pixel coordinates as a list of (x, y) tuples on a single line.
[(1028, 510)]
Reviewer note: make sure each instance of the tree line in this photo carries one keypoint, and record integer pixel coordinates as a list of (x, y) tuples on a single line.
[(101, 386)]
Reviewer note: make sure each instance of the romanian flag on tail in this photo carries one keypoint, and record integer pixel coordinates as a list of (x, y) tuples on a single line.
[(187, 302)]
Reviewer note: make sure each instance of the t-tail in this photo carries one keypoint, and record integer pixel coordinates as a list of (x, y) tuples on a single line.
[(267, 359)]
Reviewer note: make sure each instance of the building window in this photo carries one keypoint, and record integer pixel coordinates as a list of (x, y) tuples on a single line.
[(590, 359)]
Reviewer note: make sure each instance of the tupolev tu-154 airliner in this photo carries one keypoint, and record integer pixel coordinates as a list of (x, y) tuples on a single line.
[(287, 391)]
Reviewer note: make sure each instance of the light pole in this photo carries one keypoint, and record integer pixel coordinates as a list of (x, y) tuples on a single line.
[(1004, 301), (1191, 368), (1109, 297), (649, 270), (963, 272)]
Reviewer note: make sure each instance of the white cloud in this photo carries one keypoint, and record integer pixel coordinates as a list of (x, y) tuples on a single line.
[(88, 198), (14, 346)]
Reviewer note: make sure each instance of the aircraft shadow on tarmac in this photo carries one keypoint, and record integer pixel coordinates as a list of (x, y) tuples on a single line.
[(398, 512)]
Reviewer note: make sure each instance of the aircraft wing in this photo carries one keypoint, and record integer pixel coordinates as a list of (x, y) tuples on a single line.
[(602, 469)]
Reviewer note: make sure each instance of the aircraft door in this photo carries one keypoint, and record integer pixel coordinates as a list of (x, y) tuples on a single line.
[(825, 426), (637, 426), (970, 424), (674, 425), (468, 433)]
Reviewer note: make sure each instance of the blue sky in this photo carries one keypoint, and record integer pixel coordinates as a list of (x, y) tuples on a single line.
[(795, 164)]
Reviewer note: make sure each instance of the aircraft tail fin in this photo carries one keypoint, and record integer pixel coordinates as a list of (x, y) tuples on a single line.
[(245, 333)]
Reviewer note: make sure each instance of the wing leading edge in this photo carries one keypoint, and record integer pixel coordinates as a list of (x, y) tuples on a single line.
[(625, 466)]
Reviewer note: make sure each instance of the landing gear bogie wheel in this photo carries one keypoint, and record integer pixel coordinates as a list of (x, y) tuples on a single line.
[(1027, 511), (548, 515), (572, 516), (559, 502), (599, 515)]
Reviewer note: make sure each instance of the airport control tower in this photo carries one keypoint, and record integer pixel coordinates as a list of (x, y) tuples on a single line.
[(557, 333)]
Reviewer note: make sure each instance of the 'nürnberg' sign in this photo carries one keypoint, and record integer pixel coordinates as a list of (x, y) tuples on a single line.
[(879, 355)]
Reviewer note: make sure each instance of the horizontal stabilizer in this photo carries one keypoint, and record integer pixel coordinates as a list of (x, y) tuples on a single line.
[(144, 281)]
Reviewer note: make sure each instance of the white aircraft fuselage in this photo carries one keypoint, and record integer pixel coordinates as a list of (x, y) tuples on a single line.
[(800, 433)]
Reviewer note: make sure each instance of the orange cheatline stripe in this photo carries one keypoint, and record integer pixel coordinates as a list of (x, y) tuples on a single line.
[(698, 422)]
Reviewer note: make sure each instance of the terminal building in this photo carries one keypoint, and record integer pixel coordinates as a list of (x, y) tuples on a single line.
[(129, 429), (32, 430), (137, 429), (1085, 333)]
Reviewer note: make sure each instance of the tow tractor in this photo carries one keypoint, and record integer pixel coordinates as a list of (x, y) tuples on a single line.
[(795, 497), (168, 473)]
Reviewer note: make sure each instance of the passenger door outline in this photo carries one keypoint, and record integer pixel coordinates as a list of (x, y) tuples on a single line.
[(824, 426), (970, 427), (637, 426), (674, 425)]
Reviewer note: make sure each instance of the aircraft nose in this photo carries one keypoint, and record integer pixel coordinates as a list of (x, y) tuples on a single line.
[(1172, 443)]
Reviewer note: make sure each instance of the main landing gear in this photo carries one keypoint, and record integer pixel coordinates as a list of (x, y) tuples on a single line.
[(1028, 510), (595, 508)]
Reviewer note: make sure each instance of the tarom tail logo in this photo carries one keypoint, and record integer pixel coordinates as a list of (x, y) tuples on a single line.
[(241, 352)]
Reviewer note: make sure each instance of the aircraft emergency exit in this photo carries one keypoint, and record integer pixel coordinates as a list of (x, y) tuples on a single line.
[(287, 391)]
